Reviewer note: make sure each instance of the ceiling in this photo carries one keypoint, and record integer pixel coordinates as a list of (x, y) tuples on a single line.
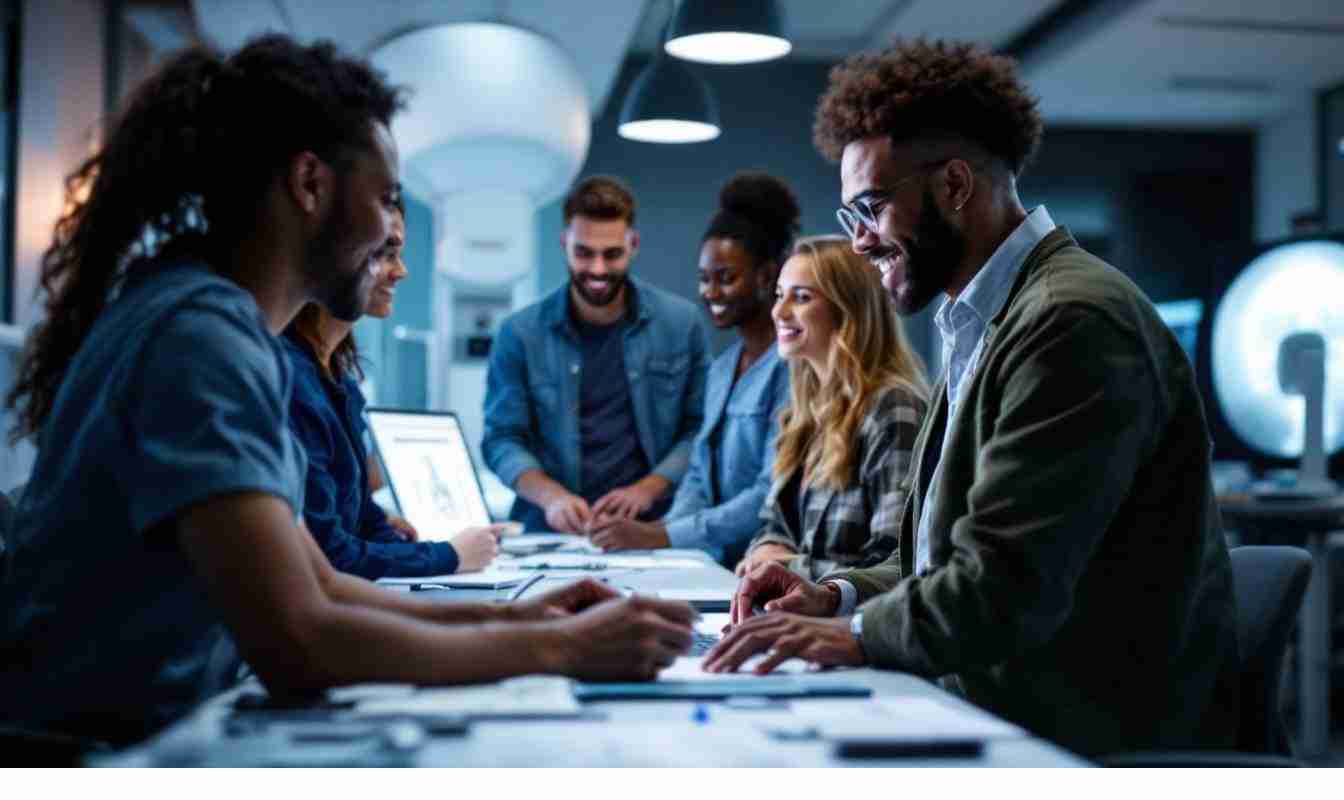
[(1160, 63), (1152, 63), (596, 32)]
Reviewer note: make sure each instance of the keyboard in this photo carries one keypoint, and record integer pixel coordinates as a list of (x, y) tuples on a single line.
[(702, 643)]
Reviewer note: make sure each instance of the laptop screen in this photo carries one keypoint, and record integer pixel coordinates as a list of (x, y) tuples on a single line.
[(428, 467)]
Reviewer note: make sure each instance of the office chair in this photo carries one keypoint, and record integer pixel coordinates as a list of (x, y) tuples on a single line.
[(1268, 583)]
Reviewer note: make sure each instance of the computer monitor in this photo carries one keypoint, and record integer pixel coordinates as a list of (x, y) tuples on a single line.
[(429, 469), (1227, 443)]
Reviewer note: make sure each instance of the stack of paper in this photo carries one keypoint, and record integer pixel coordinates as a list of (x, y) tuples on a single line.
[(532, 697)]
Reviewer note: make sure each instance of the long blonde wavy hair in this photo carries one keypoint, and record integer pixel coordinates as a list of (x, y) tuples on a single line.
[(869, 353)]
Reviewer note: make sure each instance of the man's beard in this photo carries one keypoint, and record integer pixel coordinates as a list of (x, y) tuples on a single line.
[(931, 256), (615, 284), (343, 294)]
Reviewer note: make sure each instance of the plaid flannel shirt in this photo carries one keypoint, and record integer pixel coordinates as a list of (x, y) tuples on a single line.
[(859, 525)]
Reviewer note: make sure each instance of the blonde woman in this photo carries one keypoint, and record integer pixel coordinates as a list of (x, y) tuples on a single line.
[(857, 398)]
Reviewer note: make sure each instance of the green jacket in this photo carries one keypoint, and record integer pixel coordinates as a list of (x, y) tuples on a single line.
[(1079, 585)]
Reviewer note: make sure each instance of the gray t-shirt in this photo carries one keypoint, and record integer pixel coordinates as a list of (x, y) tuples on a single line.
[(178, 394)]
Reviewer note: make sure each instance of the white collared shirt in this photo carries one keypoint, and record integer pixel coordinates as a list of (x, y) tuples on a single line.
[(962, 323)]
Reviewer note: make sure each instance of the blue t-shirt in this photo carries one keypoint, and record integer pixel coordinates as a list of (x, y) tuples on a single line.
[(178, 394), (610, 455)]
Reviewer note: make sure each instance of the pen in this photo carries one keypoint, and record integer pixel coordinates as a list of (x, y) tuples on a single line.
[(424, 587), (527, 584)]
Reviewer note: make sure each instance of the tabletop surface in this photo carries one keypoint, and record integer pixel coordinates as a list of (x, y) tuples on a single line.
[(644, 733)]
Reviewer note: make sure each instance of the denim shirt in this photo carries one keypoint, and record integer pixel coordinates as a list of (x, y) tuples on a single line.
[(532, 390), (718, 506), (351, 529)]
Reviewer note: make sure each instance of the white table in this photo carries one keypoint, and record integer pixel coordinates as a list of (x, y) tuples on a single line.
[(658, 733)]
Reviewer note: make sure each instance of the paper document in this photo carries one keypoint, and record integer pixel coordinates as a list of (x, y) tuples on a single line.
[(494, 578), (582, 561), (532, 697), (687, 668), (525, 544)]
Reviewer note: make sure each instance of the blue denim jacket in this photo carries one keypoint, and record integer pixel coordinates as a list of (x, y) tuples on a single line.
[(718, 505), (338, 508), (532, 390)]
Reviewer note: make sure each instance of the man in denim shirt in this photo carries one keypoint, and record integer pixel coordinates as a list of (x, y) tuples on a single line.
[(595, 393)]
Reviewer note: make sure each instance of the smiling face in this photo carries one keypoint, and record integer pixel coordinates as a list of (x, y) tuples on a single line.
[(733, 289), (914, 246), (345, 257), (599, 253), (393, 272), (805, 321)]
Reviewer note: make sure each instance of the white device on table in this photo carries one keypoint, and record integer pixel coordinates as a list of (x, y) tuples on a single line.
[(430, 472), (428, 467)]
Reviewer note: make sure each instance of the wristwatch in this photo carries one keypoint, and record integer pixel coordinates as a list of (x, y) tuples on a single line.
[(856, 628)]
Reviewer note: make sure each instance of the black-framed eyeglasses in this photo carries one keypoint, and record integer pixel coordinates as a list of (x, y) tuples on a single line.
[(864, 210)]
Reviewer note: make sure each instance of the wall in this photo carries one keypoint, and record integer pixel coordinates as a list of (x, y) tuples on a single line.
[(1287, 169), (1169, 208), (60, 106), (396, 368)]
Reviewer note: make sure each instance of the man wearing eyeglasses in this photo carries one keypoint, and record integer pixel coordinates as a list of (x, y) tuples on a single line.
[(595, 393), (1061, 561)]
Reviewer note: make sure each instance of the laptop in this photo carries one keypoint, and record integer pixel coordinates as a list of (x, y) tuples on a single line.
[(428, 467)]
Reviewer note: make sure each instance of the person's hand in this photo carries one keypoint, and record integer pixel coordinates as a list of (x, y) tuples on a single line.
[(403, 528), (618, 533), (568, 513), (627, 638), (764, 553), (824, 642), (477, 547), (772, 587), (565, 601), (633, 500)]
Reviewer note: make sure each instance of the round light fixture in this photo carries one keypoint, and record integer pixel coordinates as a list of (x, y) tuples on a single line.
[(668, 104), (715, 32), (729, 47), (668, 131), (1289, 290)]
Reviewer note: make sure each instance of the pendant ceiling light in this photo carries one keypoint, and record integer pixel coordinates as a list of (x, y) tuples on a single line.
[(737, 32), (669, 104)]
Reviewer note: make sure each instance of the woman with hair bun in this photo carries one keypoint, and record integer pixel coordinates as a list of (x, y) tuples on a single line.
[(857, 397), (718, 504)]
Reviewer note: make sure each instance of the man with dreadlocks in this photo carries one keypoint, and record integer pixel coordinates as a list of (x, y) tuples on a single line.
[(1060, 558), (158, 539)]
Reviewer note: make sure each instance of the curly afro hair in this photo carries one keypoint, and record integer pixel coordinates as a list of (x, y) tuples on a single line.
[(761, 212), (921, 88)]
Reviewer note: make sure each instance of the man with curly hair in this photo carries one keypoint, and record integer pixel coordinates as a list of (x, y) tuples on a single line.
[(1061, 561)]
